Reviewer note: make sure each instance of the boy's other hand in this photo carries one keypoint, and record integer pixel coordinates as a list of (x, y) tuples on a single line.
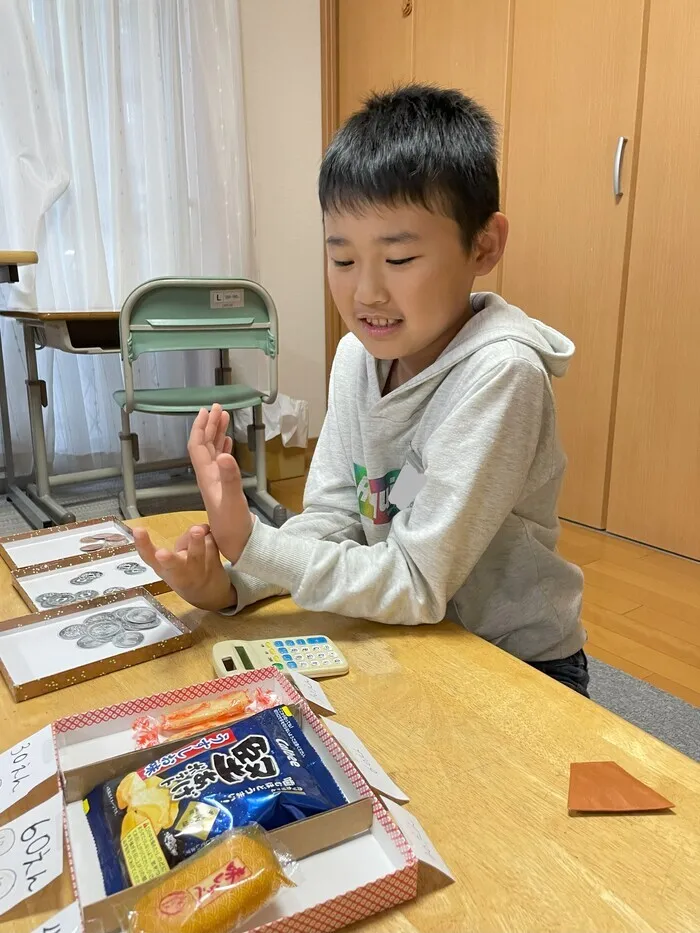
[(219, 481), (192, 569)]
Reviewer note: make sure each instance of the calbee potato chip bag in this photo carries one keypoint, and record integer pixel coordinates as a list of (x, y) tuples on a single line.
[(261, 770)]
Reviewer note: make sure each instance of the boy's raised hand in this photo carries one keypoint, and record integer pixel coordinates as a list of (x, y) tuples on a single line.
[(192, 569), (219, 481)]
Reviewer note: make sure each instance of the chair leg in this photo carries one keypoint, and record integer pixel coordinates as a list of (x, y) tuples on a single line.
[(260, 453), (129, 452), (260, 497)]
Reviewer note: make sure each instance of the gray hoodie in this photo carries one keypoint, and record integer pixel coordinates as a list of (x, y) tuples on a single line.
[(476, 543)]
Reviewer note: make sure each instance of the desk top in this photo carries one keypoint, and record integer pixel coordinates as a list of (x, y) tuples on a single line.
[(18, 257), (34, 317), (482, 745)]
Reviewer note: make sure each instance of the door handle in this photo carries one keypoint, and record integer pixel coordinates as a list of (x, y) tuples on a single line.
[(617, 167)]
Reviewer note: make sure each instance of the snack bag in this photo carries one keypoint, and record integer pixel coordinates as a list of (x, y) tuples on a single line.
[(202, 716), (228, 881), (261, 769)]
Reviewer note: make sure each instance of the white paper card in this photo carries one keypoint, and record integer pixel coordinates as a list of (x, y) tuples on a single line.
[(417, 838), (374, 774), (408, 484), (24, 766), (67, 921), (312, 691), (31, 852)]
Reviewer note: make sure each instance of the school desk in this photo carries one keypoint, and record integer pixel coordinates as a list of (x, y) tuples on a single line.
[(78, 332), (482, 744)]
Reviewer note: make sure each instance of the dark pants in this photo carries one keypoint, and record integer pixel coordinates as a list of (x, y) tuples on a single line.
[(572, 671)]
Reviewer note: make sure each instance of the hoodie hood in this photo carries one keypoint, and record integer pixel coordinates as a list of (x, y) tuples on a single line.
[(495, 320)]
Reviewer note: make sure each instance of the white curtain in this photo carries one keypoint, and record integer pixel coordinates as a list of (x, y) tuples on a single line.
[(122, 157)]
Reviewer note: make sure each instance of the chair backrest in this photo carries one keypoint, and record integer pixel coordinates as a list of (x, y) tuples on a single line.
[(198, 314)]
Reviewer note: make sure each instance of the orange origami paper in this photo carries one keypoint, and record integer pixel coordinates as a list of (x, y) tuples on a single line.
[(605, 787)]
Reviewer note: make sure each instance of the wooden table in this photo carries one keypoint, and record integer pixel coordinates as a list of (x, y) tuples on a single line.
[(482, 744)]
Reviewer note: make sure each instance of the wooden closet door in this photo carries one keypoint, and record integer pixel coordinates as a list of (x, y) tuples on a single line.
[(655, 483), (375, 39), (464, 44), (575, 77)]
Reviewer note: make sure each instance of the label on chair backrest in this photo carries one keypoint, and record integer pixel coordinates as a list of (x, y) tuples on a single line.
[(226, 298)]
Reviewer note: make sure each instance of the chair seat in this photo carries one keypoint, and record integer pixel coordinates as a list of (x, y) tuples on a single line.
[(187, 401)]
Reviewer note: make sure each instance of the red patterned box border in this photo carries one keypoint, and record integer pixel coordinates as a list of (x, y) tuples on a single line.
[(395, 888)]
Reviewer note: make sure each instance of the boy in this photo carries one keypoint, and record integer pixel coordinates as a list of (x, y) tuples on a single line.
[(451, 389)]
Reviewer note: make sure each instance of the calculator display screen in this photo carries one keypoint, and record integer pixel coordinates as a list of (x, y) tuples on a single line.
[(245, 658)]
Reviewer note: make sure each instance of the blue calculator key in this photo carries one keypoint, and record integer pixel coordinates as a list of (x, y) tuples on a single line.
[(301, 641), (290, 641), (292, 664), (278, 644), (315, 641), (286, 657)]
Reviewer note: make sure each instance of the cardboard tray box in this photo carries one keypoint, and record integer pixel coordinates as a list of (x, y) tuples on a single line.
[(355, 861)]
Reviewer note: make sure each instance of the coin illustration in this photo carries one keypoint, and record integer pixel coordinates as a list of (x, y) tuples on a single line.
[(53, 600), (90, 641), (112, 590), (7, 840), (85, 594), (71, 632), (104, 629), (131, 567), (101, 617), (8, 879), (127, 639), (84, 578), (139, 616)]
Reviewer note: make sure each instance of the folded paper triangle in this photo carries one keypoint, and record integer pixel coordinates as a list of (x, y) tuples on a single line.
[(605, 787)]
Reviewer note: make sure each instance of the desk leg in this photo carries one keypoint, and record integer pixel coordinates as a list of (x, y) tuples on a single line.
[(40, 493), (15, 495)]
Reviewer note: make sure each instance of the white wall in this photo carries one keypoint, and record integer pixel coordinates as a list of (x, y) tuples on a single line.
[(282, 75)]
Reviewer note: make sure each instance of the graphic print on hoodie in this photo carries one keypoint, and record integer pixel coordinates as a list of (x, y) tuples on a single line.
[(373, 495)]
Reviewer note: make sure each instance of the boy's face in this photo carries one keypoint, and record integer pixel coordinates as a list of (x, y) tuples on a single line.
[(401, 278)]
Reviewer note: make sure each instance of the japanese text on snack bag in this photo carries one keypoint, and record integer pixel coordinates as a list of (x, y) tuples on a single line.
[(249, 759), (174, 758)]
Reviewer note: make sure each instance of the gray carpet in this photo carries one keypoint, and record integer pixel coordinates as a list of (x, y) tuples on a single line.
[(672, 720)]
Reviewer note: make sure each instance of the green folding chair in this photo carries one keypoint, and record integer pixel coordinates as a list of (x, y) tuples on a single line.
[(169, 314)]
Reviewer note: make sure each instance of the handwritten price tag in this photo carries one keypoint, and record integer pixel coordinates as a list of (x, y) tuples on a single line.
[(312, 691), (31, 852), (374, 774), (67, 921), (24, 766), (417, 838)]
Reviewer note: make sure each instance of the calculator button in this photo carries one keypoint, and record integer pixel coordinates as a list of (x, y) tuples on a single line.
[(314, 641), (268, 644), (286, 657), (280, 667), (292, 664), (301, 641), (337, 661), (289, 641), (314, 664), (278, 644)]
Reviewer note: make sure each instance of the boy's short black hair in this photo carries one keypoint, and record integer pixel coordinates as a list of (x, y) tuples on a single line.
[(417, 144)]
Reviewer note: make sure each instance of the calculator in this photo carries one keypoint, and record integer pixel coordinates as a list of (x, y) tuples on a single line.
[(313, 655)]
